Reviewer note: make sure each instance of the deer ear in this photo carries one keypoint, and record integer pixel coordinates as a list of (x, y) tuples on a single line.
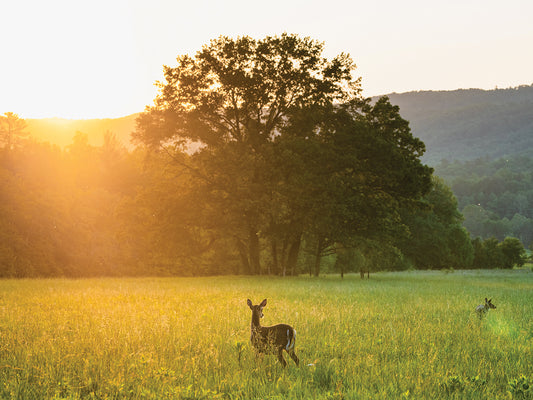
[(263, 303), (249, 302), (486, 299)]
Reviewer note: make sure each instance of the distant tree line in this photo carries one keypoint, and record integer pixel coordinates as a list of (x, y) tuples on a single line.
[(495, 196), (491, 253), (258, 157)]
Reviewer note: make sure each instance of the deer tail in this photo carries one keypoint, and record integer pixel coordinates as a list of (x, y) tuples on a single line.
[(291, 339)]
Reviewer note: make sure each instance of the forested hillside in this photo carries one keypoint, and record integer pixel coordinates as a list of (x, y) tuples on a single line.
[(468, 124), (481, 143), (494, 195), (94, 206)]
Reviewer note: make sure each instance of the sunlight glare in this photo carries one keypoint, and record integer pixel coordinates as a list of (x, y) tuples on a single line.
[(80, 61)]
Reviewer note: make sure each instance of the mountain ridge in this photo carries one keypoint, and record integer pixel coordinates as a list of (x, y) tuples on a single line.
[(466, 124), (60, 131), (462, 124)]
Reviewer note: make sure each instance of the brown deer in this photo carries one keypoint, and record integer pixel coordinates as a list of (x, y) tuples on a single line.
[(272, 339), (482, 309)]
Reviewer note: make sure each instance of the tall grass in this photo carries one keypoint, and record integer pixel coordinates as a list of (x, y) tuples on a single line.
[(397, 335)]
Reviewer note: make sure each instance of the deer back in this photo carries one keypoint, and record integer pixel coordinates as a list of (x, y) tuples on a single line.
[(484, 308), (270, 339), (481, 309)]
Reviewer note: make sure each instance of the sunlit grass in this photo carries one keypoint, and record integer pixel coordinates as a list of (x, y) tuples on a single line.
[(397, 335)]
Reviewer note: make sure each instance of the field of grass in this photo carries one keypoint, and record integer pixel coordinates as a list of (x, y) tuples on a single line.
[(395, 336)]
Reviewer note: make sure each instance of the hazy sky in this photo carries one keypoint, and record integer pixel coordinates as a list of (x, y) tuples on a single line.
[(100, 58)]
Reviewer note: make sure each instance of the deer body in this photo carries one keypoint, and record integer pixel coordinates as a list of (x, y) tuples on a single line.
[(482, 309), (272, 339)]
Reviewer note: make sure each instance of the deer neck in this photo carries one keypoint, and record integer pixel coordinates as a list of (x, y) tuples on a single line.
[(256, 323)]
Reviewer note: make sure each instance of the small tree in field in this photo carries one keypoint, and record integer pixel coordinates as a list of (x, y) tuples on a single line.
[(12, 128), (513, 251)]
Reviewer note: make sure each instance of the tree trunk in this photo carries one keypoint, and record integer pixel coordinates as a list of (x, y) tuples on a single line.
[(294, 250), (318, 256), (253, 248), (275, 263), (243, 254), (284, 258)]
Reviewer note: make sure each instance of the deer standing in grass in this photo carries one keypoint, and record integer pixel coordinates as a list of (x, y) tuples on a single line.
[(482, 309), (272, 339)]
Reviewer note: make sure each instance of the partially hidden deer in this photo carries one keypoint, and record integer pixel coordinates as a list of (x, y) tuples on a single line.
[(482, 309), (272, 339)]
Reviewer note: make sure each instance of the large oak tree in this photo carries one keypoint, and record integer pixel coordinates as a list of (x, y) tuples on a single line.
[(233, 98), (285, 146)]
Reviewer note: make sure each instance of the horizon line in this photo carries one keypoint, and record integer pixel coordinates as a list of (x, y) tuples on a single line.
[(120, 116)]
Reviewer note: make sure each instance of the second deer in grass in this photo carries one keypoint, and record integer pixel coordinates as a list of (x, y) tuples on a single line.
[(482, 309), (272, 339)]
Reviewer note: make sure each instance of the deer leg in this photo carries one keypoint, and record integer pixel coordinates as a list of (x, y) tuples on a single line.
[(280, 357), (294, 357), (258, 356)]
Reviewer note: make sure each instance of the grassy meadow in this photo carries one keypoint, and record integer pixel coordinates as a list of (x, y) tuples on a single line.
[(395, 336)]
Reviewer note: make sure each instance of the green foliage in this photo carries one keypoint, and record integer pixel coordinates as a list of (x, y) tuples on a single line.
[(490, 253), (399, 335), (496, 196), (513, 252), (436, 237)]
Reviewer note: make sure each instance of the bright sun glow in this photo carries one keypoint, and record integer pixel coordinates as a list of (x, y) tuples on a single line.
[(100, 59)]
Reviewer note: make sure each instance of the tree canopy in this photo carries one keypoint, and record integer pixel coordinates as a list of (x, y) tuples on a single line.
[(244, 90), (287, 147)]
